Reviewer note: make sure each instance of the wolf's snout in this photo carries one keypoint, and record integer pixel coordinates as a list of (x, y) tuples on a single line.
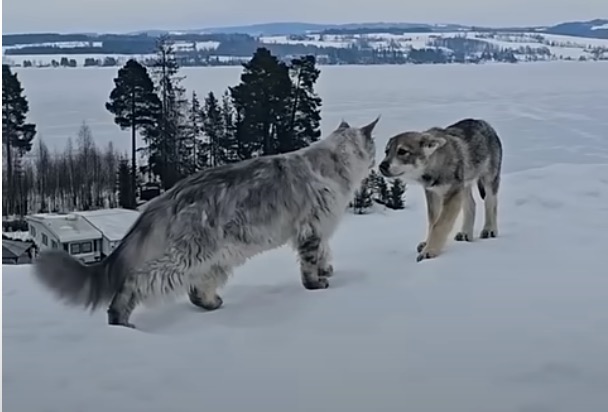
[(384, 167)]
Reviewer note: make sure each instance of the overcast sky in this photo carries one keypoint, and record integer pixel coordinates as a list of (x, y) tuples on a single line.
[(128, 15)]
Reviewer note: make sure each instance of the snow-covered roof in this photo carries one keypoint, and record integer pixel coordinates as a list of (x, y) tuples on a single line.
[(67, 227), (13, 248), (112, 223)]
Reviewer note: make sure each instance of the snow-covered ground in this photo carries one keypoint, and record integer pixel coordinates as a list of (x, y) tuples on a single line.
[(513, 324), (516, 323), (18, 235)]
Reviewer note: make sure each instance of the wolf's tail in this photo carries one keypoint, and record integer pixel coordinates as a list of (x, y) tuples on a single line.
[(75, 283)]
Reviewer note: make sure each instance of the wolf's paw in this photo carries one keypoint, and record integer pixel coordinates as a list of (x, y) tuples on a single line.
[(213, 304), (326, 272), (463, 237), (322, 283), (488, 233), (421, 246), (426, 254)]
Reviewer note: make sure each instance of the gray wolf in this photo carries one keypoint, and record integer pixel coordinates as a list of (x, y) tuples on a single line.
[(446, 162), (190, 238)]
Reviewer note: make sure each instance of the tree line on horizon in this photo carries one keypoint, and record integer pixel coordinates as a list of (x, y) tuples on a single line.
[(273, 109)]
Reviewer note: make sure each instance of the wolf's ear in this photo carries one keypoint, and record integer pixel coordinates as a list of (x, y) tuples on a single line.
[(430, 143), (343, 125), (369, 128)]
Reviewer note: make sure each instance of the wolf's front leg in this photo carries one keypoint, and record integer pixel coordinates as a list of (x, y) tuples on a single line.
[(309, 251), (433, 208), (441, 228)]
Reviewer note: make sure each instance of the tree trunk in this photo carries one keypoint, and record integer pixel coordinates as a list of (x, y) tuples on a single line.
[(9, 174), (294, 107), (133, 150)]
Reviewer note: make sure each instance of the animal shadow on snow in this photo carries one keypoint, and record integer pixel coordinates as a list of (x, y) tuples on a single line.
[(245, 306)]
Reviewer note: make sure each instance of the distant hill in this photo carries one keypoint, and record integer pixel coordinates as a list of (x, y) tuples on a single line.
[(270, 29), (597, 29), (299, 28), (143, 42)]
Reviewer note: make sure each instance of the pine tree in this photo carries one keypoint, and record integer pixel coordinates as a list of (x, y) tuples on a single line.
[(228, 144), (382, 192), (397, 192), (378, 187), (125, 192), (363, 199), (134, 105), (262, 102), (214, 128), (193, 147), (43, 166), (373, 180), (17, 135), (165, 144), (305, 115)]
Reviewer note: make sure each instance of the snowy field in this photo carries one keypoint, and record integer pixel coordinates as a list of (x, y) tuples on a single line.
[(513, 324), (516, 323)]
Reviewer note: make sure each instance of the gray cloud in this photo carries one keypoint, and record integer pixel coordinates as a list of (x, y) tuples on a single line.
[(129, 15)]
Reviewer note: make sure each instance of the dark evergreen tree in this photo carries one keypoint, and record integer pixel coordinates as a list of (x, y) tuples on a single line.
[(125, 190), (193, 149), (373, 180), (228, 144), (165, 143), (382, 192), (214, 128), (362, 201), (43, 172), (397, 195), (135, 105), (305, 105), (17, 135), (378, 187), (262, 103)]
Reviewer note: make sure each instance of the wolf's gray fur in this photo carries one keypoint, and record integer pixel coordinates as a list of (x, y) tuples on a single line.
[(447, 162), (192, 236)]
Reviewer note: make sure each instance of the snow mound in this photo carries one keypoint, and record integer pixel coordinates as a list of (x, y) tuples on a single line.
[(516, 323)]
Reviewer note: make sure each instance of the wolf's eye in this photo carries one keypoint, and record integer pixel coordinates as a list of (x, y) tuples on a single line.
[(401, 152)]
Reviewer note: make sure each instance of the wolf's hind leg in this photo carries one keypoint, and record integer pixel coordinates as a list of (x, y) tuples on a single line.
[(309, 249), (490, 227), (203, 290)]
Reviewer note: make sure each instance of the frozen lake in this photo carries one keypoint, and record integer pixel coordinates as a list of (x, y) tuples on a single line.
[(545, 112)]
